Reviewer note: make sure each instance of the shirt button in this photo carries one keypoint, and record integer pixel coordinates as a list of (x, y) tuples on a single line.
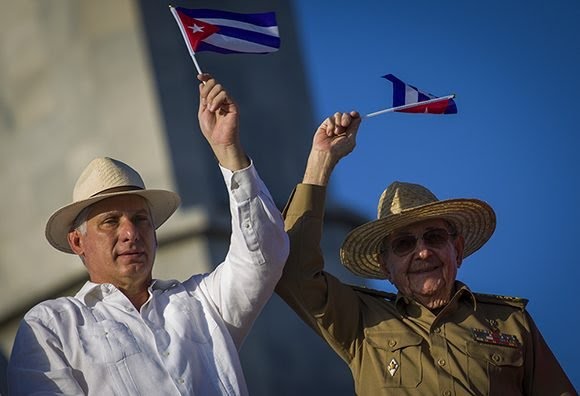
[(180, 380), (166, 353), (392, 343), (441, 362)]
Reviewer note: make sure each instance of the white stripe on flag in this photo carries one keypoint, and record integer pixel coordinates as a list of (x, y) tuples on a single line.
[(270, 31), (235, 44), (411, 95)]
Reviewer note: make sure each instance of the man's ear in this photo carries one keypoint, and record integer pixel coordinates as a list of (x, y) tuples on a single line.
[(75, 242), (459, 244)]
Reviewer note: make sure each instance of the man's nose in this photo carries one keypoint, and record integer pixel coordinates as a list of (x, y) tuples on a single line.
[(128, 230), (423, 249)]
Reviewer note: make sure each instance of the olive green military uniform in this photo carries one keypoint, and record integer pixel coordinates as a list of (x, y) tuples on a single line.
[(477, 345)]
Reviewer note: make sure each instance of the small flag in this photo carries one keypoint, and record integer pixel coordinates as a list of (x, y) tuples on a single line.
[(227, 32), (410, 99)]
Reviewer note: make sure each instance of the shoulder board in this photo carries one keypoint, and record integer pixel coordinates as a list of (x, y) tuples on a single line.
[(374, 292), (506, 300)]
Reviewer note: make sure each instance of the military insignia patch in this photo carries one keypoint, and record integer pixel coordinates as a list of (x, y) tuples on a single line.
[(495, 337), (392, 367)]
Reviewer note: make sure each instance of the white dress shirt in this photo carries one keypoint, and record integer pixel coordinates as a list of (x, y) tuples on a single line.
[(186, 337)]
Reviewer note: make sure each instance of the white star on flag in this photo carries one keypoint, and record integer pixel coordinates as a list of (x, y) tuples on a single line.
[(196, 28)]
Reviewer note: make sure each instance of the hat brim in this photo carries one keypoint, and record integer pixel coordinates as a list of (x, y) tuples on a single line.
[(163, 204), (473, 219)]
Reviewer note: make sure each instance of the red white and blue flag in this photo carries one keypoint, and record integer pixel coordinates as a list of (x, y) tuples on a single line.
[(408, 99), (227, 32)]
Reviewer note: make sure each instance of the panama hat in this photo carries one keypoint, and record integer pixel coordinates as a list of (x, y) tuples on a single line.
[(105, 178), (402, 204)]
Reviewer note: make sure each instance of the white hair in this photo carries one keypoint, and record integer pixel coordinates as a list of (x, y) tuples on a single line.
[(80, 222)]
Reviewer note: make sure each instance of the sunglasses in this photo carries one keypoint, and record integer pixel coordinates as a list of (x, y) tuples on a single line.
[(435, 238)]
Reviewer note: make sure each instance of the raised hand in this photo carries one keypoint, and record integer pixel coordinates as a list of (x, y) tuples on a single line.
[(334, 139), (219, 122)]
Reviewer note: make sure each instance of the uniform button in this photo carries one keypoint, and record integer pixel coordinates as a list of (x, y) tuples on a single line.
[(437, 330), (441, 362), (447, 393), (392, 343), (496, 358)]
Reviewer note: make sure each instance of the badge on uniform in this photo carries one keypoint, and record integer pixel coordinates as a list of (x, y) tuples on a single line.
[(393, 367), (495, 337)]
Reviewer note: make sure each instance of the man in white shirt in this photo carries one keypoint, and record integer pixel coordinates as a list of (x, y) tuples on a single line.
[(125, 333)]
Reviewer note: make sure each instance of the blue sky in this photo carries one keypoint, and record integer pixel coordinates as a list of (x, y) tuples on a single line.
[(514, 143)]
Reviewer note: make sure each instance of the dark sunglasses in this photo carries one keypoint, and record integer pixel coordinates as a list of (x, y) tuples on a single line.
[(435, 238)]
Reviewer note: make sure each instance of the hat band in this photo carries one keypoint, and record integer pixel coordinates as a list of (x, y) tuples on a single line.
[(116, 189)]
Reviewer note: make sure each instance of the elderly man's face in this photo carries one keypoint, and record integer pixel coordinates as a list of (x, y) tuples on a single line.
[(119, 244), (422, 259)]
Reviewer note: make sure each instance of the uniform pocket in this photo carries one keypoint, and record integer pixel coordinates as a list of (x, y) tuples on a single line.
[(395, 357), (495, 368), (107, 341)]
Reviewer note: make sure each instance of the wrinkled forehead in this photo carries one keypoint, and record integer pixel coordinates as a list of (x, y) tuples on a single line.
[(421, 226), (131, 203)]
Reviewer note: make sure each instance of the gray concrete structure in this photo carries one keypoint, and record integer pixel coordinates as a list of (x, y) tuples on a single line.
[(80, 79)]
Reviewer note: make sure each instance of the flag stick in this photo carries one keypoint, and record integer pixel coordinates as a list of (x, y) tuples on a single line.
[(408, 106), (195, 62), (184, 34)]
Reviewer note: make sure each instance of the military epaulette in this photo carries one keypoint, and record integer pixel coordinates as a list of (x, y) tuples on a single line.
[(497, 299), (374, 292)]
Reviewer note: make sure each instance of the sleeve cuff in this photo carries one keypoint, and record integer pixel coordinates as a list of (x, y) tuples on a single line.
[(242, 184)]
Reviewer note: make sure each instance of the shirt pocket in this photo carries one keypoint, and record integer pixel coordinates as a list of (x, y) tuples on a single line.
[(107, 341), (497, 369), (395, 357)]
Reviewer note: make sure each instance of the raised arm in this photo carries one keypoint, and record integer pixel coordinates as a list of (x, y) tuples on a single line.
[(320, 299), (242, 284)]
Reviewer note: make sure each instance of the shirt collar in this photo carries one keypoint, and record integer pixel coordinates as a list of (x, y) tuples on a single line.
[(92, 292)]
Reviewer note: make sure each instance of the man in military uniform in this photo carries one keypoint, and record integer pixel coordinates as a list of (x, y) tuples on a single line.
[(435, 336)]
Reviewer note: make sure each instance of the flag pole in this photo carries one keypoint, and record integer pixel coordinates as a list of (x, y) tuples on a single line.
[(408, 106), (195, 63), (184, 34)]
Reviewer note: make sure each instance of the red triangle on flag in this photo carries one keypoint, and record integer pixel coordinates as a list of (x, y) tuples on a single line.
[(196, 30)]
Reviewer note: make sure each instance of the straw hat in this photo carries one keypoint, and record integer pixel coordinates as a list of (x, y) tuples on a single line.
[(105, 178), (402, 204)]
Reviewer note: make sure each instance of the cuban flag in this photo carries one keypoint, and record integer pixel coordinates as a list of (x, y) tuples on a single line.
[(227, 32), (408, 99)]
